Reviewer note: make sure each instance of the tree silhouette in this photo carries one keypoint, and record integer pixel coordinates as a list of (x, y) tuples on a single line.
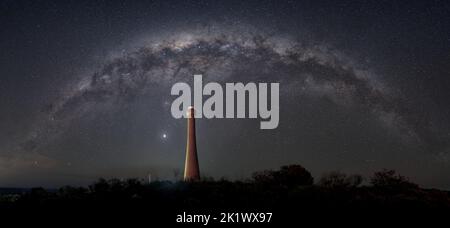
[(289, 176), (288, 187), (390, 179), (338, 179)]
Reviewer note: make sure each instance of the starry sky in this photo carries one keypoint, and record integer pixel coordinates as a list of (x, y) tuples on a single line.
[(85, 88)]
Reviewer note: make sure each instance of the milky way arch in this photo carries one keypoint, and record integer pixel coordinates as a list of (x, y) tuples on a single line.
[(299, 67)]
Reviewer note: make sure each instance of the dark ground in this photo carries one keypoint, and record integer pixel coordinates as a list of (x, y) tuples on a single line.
[(289, 193)]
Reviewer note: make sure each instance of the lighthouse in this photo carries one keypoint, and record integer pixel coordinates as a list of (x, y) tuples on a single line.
[(191, 167)]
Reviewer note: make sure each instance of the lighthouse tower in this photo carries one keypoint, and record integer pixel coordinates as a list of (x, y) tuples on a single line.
[(191, 168)]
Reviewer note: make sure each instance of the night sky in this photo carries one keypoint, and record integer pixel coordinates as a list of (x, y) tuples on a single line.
[(85, 88)]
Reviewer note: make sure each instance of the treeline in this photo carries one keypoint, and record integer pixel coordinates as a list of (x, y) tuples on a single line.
[(290, 189)]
